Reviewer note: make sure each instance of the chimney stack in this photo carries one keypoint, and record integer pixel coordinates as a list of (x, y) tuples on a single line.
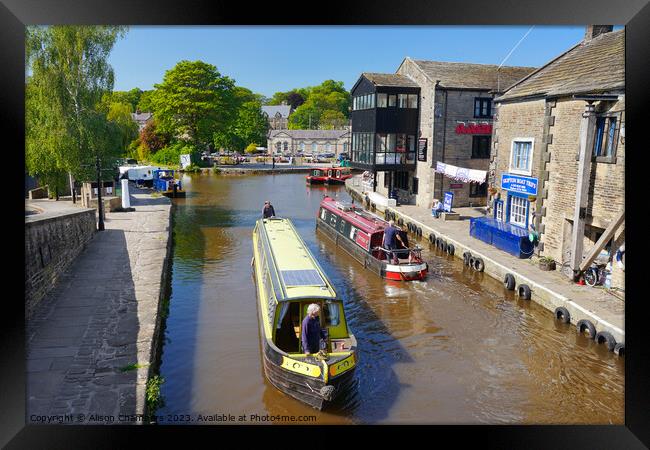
[(596, 30)]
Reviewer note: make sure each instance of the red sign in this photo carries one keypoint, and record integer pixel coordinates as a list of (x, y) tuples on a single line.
[(474, 129), (456, 186)]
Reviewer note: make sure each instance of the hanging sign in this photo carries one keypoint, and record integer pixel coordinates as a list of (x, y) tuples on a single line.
[(485, 128), (422, 149), (517, 183)]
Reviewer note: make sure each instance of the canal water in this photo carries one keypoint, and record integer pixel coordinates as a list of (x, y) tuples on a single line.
[(454, 349)]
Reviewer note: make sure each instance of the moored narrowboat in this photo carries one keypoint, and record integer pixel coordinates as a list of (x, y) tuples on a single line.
[(165, 183), (329, 175), (361, 233), (288, 280)]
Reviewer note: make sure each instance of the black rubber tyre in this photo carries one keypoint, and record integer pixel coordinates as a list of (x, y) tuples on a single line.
[(400, 222), (438, 242), (509, 282), (418, 231), (590, 277), (410, 227), (466, 257), (619, 349), (562, 314), (450, 249), (386, 215), (432, 238), (443, 246), (478, 265), (471, 262), (524, 292), (584, 325), (607, 338)]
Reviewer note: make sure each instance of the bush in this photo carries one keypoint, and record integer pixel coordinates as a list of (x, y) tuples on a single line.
[(192, 168), (171, 155)]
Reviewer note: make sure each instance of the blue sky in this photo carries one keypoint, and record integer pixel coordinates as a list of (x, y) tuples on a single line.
[(269, 59)]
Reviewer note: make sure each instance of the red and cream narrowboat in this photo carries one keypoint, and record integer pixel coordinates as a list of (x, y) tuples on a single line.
[(361, 233), (329, 175)]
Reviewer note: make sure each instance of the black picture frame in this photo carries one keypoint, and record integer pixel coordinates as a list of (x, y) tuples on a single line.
[(634, 14)]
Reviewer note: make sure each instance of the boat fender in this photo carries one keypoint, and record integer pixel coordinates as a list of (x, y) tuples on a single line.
[(419, 232), (584, 325), (619, 349), (400, 222), (409, 226), (478, 265), (509, 282), (470, 261), (607, 338), (562, 314), (524, 292), (327, 392), (443, 246), (450, 249), (432, 238), (466, 257)]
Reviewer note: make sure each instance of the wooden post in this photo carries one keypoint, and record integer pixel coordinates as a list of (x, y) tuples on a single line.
[(582, 186)]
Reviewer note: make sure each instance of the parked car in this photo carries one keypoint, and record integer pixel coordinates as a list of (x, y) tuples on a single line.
[(326, 155)]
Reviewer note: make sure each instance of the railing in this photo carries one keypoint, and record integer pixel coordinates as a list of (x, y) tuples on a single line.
[(414, 254)]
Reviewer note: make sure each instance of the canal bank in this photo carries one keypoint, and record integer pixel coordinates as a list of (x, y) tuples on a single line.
[(94, 341), (549, 289)]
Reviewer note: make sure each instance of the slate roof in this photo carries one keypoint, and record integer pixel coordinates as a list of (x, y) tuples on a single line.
[(310, 134), (389, 79), (272, 110), (590, 67), (471, 76)]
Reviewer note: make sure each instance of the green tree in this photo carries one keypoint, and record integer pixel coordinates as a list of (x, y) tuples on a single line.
[(194, 102), (69, 75), (328, 96), (120, 115), (145, 102), (332, 120)]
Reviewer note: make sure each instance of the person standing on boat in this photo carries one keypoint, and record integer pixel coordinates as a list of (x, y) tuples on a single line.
[(391, 236), (268, 210), (311, 330)]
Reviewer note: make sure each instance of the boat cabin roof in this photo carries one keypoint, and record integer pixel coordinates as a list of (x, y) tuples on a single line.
[(295, 273), (358, 217)]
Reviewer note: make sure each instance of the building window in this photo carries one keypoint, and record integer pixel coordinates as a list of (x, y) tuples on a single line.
[(314, 147), (498, 210), (286, 146), (413, 101), (371, 100), (606, 136), (415, 185), (482, 107), (481, 146), (302, 146), (392, 100), (382, 100), (522, 155), (328, 146), (402, 180), (478, 190), (278, 147), (518, 211), (402, 100)]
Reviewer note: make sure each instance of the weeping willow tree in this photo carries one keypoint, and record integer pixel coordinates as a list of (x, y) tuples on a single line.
[(67, 75)]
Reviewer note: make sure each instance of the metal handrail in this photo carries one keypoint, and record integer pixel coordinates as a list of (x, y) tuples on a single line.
[(416, 251)]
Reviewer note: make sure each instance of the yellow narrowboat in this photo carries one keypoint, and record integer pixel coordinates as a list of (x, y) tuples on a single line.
[(288, 280)]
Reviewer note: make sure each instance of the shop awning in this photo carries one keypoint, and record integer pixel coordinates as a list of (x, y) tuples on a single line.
[(461, 173)]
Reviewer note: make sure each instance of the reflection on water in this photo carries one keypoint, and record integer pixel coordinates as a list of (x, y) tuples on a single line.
[(455, 348)]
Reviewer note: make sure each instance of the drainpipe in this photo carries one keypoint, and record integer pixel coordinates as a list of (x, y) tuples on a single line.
[(444, 142), (582, 186)]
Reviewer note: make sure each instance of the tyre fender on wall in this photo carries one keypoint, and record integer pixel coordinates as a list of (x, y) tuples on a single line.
[(432, 238), (509, 282), (562, 314), (524, 292), (450, 249), (586, 326), (606, 338), (619, 349), (466, 257), (478, 264)]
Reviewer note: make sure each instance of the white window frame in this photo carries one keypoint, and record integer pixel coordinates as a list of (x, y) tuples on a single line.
[(529, 171), (526, 205), (499, 211)]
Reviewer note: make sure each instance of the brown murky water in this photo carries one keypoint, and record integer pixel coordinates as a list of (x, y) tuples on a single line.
[(454, 349)]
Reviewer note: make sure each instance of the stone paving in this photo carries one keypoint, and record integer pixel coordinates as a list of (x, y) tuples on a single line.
[(603, 307), (100, 320)]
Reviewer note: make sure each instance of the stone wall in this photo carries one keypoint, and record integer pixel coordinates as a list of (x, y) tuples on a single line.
[(51, 244)]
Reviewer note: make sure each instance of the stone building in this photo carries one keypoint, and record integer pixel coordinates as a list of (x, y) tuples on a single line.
[(558, 155), (141, 118), (308, 142), (278, 116), (453, 126)]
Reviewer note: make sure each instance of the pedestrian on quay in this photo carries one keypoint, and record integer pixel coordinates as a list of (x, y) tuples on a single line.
[(311, 333), (391, 236), (268, 210), (273, 163)]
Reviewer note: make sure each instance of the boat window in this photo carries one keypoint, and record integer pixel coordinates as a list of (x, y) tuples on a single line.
[(353, 233), (332, 316), (342, 226), (333, 219), (287, 336), (323, 213)]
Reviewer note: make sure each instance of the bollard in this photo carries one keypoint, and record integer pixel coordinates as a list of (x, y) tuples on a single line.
[(126, 201)]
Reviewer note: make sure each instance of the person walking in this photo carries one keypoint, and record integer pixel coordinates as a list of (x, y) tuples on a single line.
[(311, 331), (391, 236), (268, 210)]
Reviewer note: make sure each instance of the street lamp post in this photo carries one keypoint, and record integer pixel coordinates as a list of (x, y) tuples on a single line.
[(100, 206)]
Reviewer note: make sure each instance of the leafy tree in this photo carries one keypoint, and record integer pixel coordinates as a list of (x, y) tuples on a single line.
[(251, 148), (248, 124), (120, 115), (194, 102), (328, 96), (151, 138), (332, 120), (294, 97), (145, 102), (69, 75)]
